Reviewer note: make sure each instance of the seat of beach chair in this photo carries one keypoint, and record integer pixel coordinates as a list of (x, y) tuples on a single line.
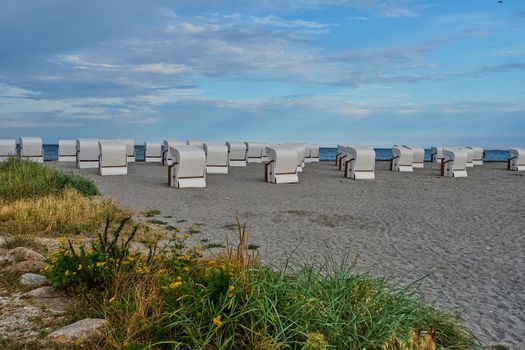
[(113, 158), (67, 150), (454, 162), (216, 157), (312, 153), (7, 149), (88, 152), (237, 153), (282, 165), (31, 148), (188, 168), (360, 163), (152, 152)]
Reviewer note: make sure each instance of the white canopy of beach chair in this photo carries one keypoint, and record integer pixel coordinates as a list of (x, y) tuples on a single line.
[(454, 162), (130, 149), (166, 154), (31, 148), (300, 148), (282, 165), (152, 152), (67, 150), (477, 155), (113, 158), (255, 150), (216, 157), (188, 168), (470, 155), (195, 143), (312, 153), (402, 159), (419, 156), (7, 149), (516, 160), (436, 154), (88, 153), (237, 153), (360, 162)]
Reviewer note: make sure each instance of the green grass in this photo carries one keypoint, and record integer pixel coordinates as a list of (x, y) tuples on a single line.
[(156, 222), (151, 213), (26, 179)]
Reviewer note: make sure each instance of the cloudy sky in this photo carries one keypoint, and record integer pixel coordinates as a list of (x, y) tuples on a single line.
[(428, 72)]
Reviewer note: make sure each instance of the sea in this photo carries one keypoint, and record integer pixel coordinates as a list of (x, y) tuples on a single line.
[(51, 153)]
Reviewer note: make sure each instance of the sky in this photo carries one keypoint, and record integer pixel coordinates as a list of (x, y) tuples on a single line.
[(381, 72)]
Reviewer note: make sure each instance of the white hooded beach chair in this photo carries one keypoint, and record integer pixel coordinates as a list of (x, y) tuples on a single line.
[(237, 153), (300, 148), (130, 149), (360, 162), (470, 155), (67, 150), (152, 152), (436, 154), (113, 158), (7, 149), (419, 156), (312, 153), (88, 152), (188, 168), (516, 160), (166, 154), (477, 155), (254, 152), (195, 143), (341, 153), (281, 166), (454, 162), (402, 159), (216, 157), (31, 148)]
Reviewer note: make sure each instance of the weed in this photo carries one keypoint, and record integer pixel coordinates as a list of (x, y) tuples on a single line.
[(151, 213)]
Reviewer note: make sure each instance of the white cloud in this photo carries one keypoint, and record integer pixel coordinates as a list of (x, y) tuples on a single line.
[(161, 68)]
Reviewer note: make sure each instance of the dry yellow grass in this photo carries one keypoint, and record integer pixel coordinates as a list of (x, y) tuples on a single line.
[(63, 214)]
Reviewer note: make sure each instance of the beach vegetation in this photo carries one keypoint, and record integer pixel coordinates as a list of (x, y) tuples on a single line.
[(156, 222), (151, 213), (20, 179)]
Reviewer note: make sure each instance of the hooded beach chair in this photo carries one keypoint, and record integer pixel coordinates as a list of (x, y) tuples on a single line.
[(195, 143), (419, 156), (402, 159), (341, 153), (436, 154), (312, 153), (281, 166), (113, 159), (360, 162), (301, 153), (236, 153), (130, 149), (454, 162), (254, 152), (152, 152), (31, 148), (7, 149), (88, 152), (516, 160), (477, 155), (188, 168), (166, 154), (67, 150), (470, 155), (216, 157)]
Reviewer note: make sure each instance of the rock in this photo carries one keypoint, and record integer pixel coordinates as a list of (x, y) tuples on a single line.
[(33, 280), (33, 266), (23, 254), (78, 333), (53, 300)]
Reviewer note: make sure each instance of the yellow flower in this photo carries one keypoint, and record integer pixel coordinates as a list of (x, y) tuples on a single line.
[(231, 288), (46, 268), (176, 285), (161, 271), (79, 267), (100, 263), (67, 273), (184, 257), (177, 229), (112, 300), (186, 269), (217, 321)]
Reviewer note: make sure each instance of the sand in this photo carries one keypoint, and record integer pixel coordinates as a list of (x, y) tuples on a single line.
[(465, 235)]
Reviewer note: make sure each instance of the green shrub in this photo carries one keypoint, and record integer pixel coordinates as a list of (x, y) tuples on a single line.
[(27, 179)]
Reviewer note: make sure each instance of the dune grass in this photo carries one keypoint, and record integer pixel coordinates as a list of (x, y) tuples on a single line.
[(26, 179)]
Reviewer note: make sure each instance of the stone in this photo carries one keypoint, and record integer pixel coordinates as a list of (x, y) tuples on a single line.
[(33, 280), (33, 266), (23, 254), (53, 300), (43, 292), (78, 333)]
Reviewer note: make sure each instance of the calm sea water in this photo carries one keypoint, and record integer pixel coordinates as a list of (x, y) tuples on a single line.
[(51, 153)]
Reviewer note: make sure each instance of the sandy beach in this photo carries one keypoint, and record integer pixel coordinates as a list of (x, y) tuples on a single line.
[(465, 235)]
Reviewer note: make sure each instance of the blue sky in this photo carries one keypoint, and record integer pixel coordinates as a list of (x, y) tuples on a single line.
[(437, 72)]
